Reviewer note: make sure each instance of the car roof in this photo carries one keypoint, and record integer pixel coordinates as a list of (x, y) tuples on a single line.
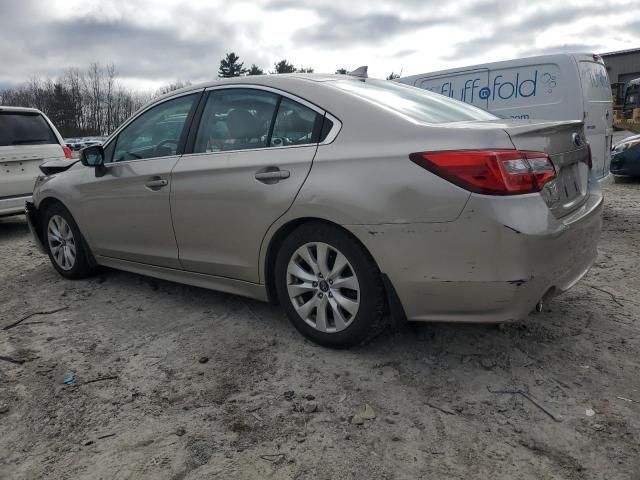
[(19, 109), (278, 81)]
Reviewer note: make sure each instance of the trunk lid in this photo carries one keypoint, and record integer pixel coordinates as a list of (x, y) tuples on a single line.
[(564, 142)]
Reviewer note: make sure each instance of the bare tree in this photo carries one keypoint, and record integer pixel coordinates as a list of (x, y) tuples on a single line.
[(79, 102)]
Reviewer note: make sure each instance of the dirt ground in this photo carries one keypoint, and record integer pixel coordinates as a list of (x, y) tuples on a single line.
[(176, 382)]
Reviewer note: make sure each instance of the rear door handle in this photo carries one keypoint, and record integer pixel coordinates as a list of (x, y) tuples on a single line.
[(272, 175), (156, 183)]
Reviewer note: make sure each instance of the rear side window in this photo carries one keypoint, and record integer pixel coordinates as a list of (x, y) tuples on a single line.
[(25, 128), (295, 125), (414, 103)]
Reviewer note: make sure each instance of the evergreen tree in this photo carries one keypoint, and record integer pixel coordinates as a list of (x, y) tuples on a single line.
[(255, 70), (284, 67), (230, 66)]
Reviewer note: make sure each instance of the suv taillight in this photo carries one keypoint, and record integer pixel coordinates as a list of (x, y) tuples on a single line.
[(67, 151), (490, 172)]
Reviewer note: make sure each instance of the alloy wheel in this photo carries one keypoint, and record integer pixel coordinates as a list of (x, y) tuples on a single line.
[(61, 242), (323, 287)]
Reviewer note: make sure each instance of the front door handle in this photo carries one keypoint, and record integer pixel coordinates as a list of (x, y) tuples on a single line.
[(272, 175), (156, 183)]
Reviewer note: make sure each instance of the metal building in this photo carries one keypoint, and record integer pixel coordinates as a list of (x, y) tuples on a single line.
[(622, 66)]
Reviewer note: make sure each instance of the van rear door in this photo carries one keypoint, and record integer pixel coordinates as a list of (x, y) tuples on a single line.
[(598, 117)]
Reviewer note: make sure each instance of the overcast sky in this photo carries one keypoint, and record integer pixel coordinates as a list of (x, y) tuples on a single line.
[(154, 42)]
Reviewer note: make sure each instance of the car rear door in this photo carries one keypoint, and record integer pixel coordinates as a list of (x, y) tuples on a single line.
[(26, 140), (125, 210), (252, 150)]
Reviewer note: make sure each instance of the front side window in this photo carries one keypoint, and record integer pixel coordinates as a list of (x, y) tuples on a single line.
[(155, 133), (235, 119), (295, 125)]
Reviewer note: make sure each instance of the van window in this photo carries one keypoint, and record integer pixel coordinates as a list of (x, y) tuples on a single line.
[(595, 81), (25, 128), (417, 104)]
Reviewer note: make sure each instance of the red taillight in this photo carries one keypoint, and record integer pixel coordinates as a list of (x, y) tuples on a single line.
[(67, 151), (490, 172)]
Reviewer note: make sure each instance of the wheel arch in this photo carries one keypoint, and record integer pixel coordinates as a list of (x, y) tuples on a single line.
[(278, 237), (43, 206)]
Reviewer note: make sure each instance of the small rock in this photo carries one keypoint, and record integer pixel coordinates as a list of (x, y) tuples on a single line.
[(357, 420), (597, 426), (395, 438), (203, 359), (4, 408), (309, 396), (86, 443), (368, 413), (310, 407), (589, 412), (181, 431), (289, 394), (389, 420), (487, 363), (300, 438)]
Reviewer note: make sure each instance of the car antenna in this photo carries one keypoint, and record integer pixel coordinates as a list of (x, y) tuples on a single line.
[(360, 72)]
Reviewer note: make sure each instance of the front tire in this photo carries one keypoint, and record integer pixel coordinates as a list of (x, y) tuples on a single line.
[(64, 243), (329, 286)]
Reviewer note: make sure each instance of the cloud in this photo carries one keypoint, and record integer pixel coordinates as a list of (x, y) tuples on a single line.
[(159, 41), (522, 33), (338, 29)]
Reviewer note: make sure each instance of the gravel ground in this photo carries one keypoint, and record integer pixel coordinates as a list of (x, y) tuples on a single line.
[(178, 382)]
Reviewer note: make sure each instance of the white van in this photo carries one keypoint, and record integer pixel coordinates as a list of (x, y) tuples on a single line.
[(548, 87), (27, 139)]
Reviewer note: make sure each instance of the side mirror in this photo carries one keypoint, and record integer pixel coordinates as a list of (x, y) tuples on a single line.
[(92, 156)]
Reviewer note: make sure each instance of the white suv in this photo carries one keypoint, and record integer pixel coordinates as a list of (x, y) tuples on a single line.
[(27, 139)]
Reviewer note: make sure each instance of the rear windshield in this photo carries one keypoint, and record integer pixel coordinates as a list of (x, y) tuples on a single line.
[(415, 103), (24, 128)]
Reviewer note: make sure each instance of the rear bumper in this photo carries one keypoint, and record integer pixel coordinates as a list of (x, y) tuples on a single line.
[(13, 205), (493, 264), (33, 221)]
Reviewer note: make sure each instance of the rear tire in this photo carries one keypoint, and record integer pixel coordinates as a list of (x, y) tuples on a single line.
[(64, 243), (329, 286)]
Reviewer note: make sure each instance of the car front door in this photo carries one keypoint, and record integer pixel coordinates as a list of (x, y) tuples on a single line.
[(252, 151), (126, 211)]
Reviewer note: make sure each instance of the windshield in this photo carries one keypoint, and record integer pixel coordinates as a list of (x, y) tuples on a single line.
[(415, 103), (24, 128)]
